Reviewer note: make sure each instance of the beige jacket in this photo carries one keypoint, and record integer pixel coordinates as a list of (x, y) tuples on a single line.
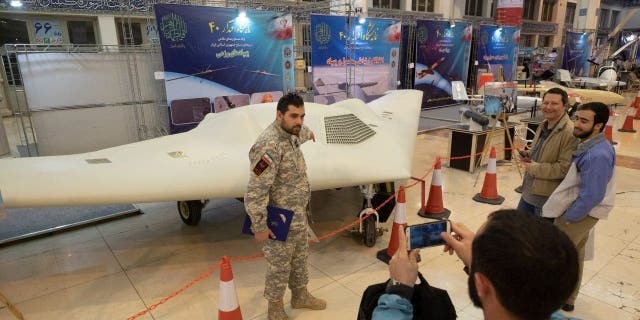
[(555, 157)]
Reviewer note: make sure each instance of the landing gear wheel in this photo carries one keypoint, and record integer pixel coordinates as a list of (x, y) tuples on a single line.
[(190, 211), (369, 231)]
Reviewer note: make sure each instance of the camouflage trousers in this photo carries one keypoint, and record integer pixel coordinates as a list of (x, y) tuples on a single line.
[(286, 264)]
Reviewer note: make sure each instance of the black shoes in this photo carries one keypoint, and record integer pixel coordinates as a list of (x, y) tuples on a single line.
[(567, 307)]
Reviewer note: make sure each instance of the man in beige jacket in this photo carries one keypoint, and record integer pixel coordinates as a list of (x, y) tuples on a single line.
[(548, 161)]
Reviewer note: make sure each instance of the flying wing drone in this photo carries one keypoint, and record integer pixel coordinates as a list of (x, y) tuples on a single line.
[(607, 79), (586, 95), (356, 144), (263, 72)]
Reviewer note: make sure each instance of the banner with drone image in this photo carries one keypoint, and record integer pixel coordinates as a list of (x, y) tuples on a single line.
[(371, 66), (498, 51), (442, 56), (577, 52), (216, 59)]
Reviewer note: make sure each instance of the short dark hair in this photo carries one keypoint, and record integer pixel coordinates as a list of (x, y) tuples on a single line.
[(291, 98), (565, 96), (601, 112), (532, 264)]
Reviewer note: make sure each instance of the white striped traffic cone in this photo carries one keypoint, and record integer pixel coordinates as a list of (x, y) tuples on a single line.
[(434, 208), (399, 223), (627, 126), (228, 307), (489, 193), (636, 102)]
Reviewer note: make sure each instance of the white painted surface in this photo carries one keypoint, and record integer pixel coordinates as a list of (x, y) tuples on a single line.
[(215, 160)]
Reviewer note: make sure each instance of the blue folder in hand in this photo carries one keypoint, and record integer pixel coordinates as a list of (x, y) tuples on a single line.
[(278, 220)]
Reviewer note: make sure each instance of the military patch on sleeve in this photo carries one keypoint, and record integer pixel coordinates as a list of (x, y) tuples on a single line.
[(263, 164)]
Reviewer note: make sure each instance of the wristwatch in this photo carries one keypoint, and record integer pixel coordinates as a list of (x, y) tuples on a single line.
[(396, 287)]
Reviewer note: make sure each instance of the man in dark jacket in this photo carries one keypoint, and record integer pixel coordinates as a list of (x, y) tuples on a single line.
[(520, 267)]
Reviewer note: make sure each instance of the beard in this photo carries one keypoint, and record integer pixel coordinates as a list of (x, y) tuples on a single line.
[(295, 130), (582, 135), (473, 291)]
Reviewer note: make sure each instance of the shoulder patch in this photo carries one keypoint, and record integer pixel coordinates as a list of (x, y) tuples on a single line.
[(263, 164)]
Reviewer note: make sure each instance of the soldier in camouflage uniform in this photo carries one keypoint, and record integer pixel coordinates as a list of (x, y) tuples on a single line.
[(279, 179)]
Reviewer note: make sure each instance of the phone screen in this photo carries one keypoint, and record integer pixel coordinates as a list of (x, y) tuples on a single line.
[(427, 234)]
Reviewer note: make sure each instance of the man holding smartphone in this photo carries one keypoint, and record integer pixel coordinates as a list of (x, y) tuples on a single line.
[(548, 161), (498, 269)]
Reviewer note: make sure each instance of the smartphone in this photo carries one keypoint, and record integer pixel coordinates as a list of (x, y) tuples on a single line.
[(426, 234), (524, 156)]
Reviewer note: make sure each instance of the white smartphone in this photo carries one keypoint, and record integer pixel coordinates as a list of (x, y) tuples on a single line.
[(426, 234)]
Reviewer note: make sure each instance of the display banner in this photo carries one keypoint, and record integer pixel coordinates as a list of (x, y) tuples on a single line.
[(47, 32), (577, 51), (442, 56), (498, 50), (210, 51), (84, 6), (372, 62)]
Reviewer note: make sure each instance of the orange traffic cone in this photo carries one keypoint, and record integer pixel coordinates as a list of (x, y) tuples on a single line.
[(608, 129), (228, 308), (636, 102), (435, 208), (399, 223), (489, 193), (627, 126)]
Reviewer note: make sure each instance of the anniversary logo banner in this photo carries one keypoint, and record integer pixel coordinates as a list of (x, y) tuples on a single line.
[(442, 56), (372, 60), (577, 51), (216, 54)]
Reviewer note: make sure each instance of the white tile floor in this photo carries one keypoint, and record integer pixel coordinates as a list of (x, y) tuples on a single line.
[(116, 269)]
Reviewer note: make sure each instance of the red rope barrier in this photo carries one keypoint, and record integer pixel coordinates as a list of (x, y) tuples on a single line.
[(330, 234)]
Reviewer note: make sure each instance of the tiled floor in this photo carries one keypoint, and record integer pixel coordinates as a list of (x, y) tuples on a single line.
[(116, 269)]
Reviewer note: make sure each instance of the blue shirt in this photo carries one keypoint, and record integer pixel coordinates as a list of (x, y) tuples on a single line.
[(595, 160)]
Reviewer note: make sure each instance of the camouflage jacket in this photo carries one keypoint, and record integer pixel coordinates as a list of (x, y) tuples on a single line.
[(278, 177)]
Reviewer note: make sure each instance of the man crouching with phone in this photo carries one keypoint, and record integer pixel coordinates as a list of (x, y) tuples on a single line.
[(519, 266)]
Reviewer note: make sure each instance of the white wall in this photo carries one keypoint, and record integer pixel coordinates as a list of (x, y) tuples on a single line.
[(590, 21), (107, 31)]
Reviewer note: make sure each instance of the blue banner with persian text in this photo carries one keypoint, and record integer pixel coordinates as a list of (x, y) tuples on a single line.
[(212, 52), (577, 52), (442, 56), (346, 50), (498, 50)]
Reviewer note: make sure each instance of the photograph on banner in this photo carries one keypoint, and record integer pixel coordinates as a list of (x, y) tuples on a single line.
[(372, 62), (47, 32), (224, 103), (498, 50), (577, 52), (213, 52), (189, 111), (265, 97), (500, 97), (442, 56), (544, 64)]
